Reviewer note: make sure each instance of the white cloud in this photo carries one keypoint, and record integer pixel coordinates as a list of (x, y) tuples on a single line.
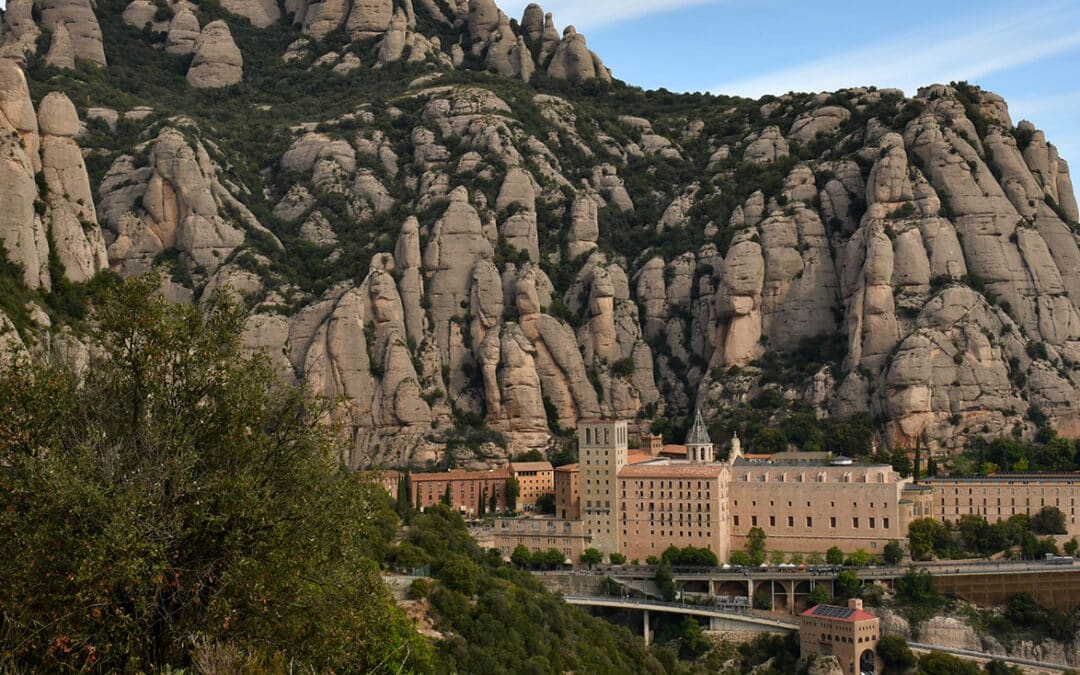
[(933, 54), (584, 14)]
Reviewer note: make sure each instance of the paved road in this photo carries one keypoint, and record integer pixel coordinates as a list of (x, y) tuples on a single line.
[(989, 657), (738, 613)]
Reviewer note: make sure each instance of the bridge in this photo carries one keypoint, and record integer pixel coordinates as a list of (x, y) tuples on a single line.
[(786, 589), (720, 618)]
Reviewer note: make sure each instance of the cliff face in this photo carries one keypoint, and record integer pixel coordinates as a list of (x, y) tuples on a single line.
[(463, 220)]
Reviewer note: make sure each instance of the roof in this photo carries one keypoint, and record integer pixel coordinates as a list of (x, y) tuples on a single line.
[(568, 468), (668, 470), (1062, 476), (837, 613), (698, 435), (531, 466), (638, 456), (462, 474), (674, 450)]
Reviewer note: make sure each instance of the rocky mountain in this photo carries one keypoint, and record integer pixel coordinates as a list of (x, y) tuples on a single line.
[(447, 220)]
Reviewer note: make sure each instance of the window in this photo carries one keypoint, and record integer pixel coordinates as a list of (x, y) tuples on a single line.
[(832, 521), (772, 521), (791, 521), (855, 523), (753, 521), (809, 521), (736, 521)]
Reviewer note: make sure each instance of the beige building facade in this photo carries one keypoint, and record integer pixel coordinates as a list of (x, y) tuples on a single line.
[(1001, 496), (534, 479), (568, 492), (542, 534), (664, 503), (809, 508)]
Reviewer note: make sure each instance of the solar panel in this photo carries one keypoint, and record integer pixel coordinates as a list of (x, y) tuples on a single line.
[(833, 612)]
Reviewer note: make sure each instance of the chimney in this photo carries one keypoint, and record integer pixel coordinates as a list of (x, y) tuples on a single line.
[(854, 603)]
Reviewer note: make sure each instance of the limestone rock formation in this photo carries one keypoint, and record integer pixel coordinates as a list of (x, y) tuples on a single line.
[(176, 202), (73, 226), (184, 33), (61, 52), (261, 13), (218, 62), (79, 21), (574, 61), (22, 231)]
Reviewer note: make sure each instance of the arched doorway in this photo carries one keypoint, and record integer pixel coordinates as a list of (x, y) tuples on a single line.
[(868, 663)]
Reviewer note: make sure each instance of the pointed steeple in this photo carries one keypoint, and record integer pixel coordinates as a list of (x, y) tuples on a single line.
[(699, 447), (698, 435)]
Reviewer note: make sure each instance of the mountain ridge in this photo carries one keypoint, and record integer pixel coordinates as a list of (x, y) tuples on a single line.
[(449, 241)]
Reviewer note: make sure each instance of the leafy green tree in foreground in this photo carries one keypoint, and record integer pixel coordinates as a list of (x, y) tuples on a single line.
[(179, 499)]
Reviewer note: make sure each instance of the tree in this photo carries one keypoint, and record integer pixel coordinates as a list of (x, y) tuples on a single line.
[(797, 559), (591, 556), (461, 574), (481, 503), (545, 503), (776, 558), (815, 559), (940, 663), (739, 558), (848, 584), (533, 455), (817, 596), (554, 558), (755, 545), (207, 500), (513, 491), (1071, 547), (447, 498), (895, 655), (834, 556), (403, 505), (665, 582), (493, 503), (521, 556), (894, 552), (860, 558), (1049, 520), (617, 559), (925, 538)]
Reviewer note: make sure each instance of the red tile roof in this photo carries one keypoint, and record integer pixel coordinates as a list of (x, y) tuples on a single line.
[(462, 474)]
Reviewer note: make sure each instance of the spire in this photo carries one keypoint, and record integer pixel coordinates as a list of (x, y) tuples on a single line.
[(698, 435)]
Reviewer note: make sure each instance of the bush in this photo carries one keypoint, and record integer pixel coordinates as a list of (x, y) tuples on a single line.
[(419, 589)]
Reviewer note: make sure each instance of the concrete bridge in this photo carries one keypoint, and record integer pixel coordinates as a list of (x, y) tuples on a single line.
[(720, 618), (984, 583)]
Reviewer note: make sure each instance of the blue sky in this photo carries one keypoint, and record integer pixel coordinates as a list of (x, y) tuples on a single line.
[(1029, 52)]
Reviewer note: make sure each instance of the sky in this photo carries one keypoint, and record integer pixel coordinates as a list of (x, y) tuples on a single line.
[(1028, 52)]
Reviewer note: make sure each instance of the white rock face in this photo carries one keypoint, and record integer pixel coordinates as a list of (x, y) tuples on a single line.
[(73, 225), (261, 13), (218, 62), (174, 203), (61, 51), (183, 34), (21, 229), (78, 18), (573, 61)]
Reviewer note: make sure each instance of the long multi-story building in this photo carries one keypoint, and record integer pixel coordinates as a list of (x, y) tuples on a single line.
[(1004, 495), (467, 489)]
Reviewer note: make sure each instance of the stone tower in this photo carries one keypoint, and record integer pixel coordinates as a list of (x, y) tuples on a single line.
[(602, 453), (699, 447)]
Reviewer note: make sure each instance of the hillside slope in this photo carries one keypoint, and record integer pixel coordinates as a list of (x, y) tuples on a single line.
[(448, 220)]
